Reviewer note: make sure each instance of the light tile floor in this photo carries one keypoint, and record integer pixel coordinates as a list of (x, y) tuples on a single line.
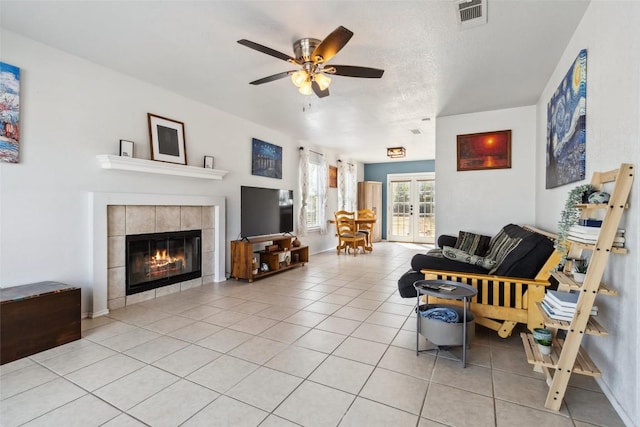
[(328, 344)]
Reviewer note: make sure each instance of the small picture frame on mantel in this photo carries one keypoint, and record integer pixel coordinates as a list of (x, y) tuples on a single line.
[(208, 162), (126, 148)]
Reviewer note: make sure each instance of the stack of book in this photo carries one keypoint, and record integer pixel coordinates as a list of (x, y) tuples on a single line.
[(589, 235), (591, 222), (562, 305)]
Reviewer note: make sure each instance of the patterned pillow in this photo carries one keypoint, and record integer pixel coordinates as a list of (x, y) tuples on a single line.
[(435, 252), (458, 255), (471, 243), (500, 246)]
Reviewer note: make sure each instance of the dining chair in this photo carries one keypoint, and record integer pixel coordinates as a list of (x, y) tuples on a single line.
[(348, 237), (366, 228)]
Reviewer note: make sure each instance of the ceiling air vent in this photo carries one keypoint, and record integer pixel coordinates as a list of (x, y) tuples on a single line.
[(471, 13), (415, 131)]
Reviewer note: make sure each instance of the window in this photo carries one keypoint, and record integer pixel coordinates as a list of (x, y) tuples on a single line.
[(314, 180)]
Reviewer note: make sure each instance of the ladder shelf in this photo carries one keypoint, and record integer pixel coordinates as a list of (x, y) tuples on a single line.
[(567, 355)]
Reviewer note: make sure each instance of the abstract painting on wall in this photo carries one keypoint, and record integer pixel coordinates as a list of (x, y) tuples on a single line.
[(9, 112), (566, 130), (266, 159)]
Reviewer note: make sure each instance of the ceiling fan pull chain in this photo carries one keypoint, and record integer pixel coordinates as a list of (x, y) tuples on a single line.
[(306, 103)]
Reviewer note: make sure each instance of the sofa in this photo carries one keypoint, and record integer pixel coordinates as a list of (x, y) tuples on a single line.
[(510, 271)]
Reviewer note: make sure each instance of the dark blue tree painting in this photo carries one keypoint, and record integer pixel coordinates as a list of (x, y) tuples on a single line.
[(566, 130)]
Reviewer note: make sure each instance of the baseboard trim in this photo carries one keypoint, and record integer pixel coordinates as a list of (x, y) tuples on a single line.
[(93, 315), (626, 419)]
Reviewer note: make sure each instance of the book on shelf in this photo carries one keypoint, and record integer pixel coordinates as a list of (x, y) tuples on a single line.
[(553, 314), (588, 230), (585, 229), (564, 309), (592, 240), (563, 299), (591, 222), (560, 315)]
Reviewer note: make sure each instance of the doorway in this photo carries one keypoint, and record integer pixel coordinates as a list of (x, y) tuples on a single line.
[(411, 207)]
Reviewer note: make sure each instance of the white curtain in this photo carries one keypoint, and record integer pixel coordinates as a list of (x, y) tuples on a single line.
[(322, 194), (347, 186), (342, 185), (303, 174), (352, 199)]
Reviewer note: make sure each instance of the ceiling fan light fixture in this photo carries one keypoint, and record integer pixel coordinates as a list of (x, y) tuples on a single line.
[(396, 152), (299, 77), (311, 55), (305, 88), (322, 80)]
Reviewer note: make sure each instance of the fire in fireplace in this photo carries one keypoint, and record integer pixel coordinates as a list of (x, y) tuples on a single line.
[(161, 259)]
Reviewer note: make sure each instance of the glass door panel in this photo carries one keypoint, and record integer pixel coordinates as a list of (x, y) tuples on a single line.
[(411, 209), (401, 211)]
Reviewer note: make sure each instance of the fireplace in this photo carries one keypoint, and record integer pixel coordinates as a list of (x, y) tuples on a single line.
[(160, 259)]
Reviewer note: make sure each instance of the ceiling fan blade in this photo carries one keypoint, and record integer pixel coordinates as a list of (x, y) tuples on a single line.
[(271, 78), (319, 92), (268, 51), (354, 71), (331, 44)]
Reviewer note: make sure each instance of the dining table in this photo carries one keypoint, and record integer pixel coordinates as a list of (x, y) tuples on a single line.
[(358, 222)]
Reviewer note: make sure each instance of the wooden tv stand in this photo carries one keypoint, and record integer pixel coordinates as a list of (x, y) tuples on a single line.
[(243, 252)]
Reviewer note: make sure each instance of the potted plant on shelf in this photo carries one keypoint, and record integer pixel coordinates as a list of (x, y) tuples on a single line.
[(569, 217), (543, 338), (580, 266)]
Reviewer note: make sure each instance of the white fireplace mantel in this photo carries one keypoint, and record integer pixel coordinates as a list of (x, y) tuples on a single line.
[(122, 163)]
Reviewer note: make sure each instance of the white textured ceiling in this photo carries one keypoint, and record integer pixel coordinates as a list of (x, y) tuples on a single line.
[(432, 67)]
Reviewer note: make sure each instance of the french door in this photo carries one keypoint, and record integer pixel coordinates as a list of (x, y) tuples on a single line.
[(411, 207)]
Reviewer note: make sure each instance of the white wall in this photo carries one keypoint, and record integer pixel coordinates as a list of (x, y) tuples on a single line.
[(484, 201), (72, 110), (609, 31)]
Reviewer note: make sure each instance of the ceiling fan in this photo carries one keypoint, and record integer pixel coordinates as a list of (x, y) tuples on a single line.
[(312, 56)]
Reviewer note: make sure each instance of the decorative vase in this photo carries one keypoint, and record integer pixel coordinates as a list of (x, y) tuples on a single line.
[(254, 266), (544, 349), (542, 334), (543, 337), (295, 243)]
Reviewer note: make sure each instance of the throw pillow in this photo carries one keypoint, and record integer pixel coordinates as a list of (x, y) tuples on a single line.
[(462, 256), (500, 246), (435, 253), (471, 243)]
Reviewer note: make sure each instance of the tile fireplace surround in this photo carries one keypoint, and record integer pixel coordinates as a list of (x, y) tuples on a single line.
[(118, 214)]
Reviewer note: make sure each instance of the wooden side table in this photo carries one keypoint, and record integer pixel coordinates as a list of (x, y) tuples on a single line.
[(454, 291)]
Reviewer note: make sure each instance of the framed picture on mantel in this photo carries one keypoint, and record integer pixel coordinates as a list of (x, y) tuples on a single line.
[(126, 148), (167, 140), (208, 162)]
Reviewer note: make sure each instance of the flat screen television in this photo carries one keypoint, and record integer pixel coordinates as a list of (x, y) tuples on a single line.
[(265, 211)]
